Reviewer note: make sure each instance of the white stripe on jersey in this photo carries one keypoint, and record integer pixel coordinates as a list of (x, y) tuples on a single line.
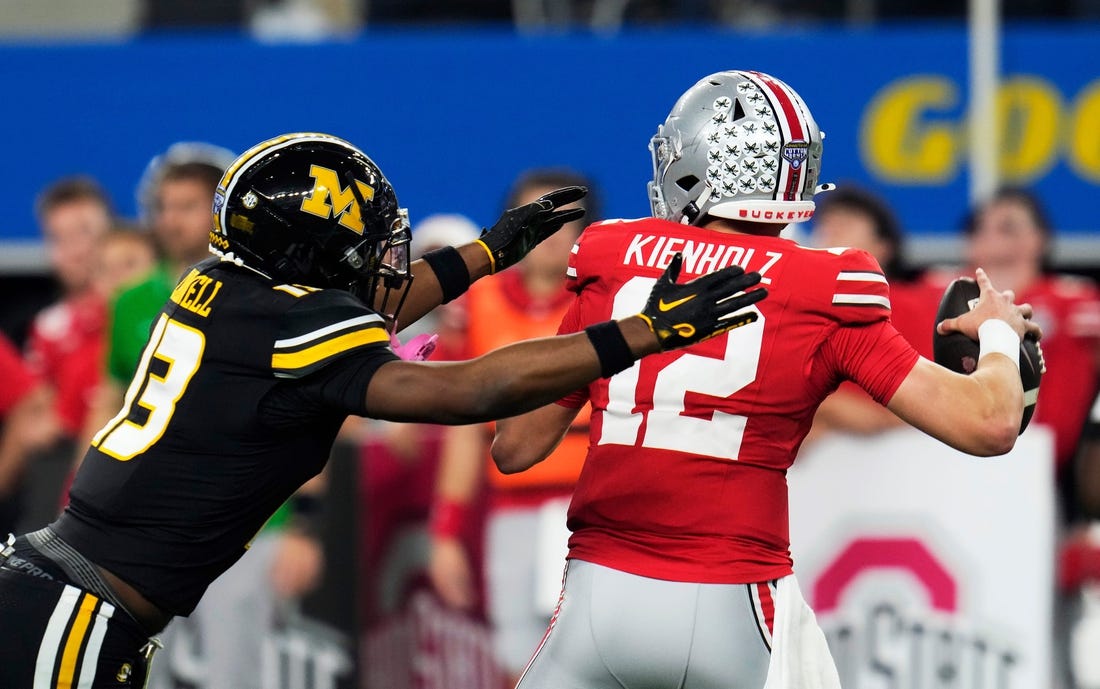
[(95, 642), (328, 329), (51, 640), (857, 276), (571, 272), (860, 300)]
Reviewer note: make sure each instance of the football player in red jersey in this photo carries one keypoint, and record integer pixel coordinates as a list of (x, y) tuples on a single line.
[(679, 568)]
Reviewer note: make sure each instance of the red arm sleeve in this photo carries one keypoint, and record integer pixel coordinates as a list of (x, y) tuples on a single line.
[(570, 323)]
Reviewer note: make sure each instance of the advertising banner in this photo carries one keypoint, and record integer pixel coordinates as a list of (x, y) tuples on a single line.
[(453, 117), (927, 567)]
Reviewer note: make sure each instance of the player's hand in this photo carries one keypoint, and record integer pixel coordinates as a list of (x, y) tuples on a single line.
[(451, 574), (521, 229), (991, 304), (681, 315)]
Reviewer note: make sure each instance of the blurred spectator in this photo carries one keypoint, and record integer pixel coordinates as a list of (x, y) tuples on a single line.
[(66, 339), (65, 344), (27, 424), (1009, 236), (175, 195), (125, 256), (1079, 563), (853, 217), (406, 628), (528, 301), (850, 216)]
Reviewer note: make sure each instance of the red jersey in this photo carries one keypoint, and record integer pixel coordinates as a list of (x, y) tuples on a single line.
[(65, 347), (685, 478), (17, 381)]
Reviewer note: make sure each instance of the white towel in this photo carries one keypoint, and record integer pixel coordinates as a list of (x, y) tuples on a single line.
[(800, 655)]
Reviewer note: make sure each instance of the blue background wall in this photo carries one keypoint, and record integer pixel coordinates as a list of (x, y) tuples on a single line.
[(453, 117)]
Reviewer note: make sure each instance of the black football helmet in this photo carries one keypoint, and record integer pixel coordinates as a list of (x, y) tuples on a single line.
[(312, 209)]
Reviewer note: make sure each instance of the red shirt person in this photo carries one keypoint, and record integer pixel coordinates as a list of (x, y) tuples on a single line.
[(679, 568), (65, 346), (26, 425), (1009, 237)]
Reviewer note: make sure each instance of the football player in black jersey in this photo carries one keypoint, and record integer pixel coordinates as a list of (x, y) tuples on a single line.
[(251, 368)]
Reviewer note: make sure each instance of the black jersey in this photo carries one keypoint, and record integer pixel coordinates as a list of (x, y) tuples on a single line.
[(235, 404)]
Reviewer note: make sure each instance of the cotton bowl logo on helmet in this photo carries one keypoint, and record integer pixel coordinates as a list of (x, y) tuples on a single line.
[(796, 152), (736, 145)]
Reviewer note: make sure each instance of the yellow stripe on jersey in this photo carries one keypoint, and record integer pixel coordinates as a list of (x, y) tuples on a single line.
[(296, 290), (79, 629), (291, 290), (319, 352)]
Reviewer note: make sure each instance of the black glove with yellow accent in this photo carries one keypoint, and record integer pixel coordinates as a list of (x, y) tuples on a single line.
[(681, 315), (521, 229)]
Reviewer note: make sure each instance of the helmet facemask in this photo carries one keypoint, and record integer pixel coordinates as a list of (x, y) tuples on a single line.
[(664, 154), (384, 272)]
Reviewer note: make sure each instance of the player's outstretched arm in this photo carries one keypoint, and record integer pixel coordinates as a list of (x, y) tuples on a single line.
[(523, 441), (526, 375), (446, 273), (978, 414)]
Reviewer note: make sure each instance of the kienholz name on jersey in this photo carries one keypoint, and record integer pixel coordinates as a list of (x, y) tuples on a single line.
[(700, 258)]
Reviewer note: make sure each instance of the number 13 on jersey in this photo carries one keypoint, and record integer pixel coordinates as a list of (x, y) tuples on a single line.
[(667, 426), (180, 347)]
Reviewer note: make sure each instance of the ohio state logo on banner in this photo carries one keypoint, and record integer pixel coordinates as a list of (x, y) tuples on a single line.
[(891, 610)]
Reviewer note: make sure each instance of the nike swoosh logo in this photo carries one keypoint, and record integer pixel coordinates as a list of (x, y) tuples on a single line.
[(663, 305)]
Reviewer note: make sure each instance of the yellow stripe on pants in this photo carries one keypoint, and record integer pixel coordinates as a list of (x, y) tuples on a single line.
[(75, 641)]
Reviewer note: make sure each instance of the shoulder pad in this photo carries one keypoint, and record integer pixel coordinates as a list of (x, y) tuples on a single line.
[(321, 327), (598, 244), (859, 292)]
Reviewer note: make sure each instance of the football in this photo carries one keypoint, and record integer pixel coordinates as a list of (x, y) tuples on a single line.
[(960, 354)]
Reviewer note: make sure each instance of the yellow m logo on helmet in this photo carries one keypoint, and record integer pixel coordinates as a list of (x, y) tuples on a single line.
[(329, 199)]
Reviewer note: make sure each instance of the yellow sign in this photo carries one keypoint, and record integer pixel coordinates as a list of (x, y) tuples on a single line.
[(910, 134)]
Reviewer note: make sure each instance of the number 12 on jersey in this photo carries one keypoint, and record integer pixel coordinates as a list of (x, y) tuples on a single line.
[(180, 347), (667, 426)]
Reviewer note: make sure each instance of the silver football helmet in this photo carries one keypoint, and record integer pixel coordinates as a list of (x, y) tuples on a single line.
[(739, 145)]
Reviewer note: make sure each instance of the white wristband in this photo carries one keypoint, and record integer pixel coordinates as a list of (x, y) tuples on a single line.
[(997, 336)]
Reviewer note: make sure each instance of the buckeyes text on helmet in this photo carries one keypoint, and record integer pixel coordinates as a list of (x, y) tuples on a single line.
[(740, 145)]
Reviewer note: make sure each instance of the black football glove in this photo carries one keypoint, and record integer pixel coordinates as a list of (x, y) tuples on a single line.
[(521, 229), (681, 315)]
